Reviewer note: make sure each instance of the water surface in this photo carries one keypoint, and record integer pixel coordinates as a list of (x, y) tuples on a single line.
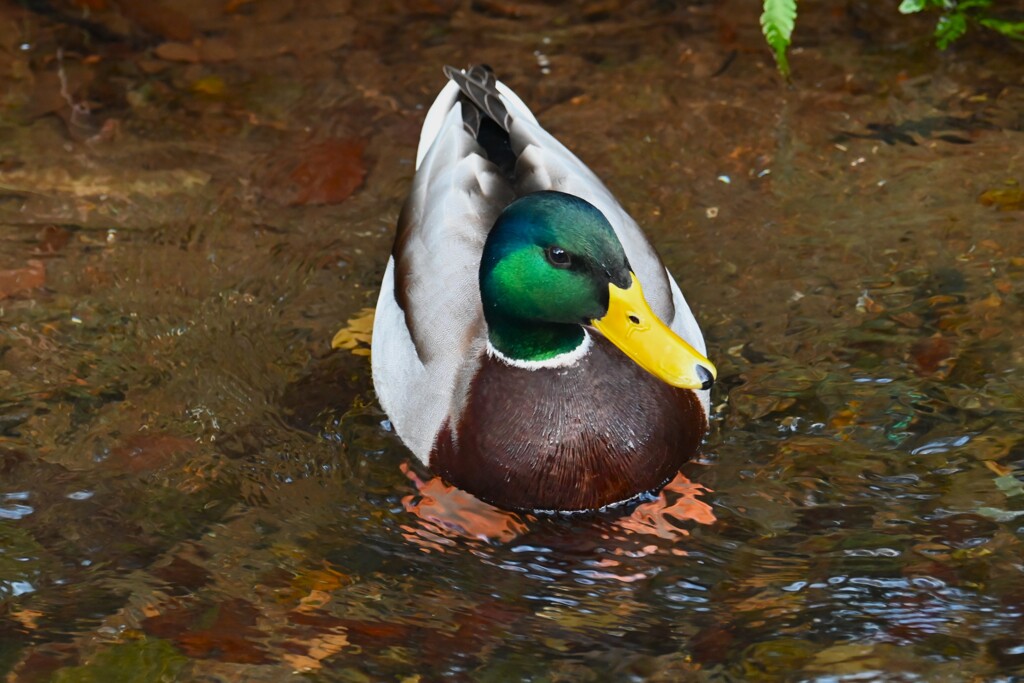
[(193, 487)]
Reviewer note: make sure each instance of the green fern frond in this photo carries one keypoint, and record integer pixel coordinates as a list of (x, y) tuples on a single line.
[(1010, 29), (777, 23), (949, 29)]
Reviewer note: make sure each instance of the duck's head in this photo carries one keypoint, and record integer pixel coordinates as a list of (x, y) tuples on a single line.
[(552, 266)]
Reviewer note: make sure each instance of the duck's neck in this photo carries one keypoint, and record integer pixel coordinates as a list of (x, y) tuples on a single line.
[(528, 341)]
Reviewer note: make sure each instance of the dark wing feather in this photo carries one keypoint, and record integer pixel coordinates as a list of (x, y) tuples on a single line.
[(479, 86)]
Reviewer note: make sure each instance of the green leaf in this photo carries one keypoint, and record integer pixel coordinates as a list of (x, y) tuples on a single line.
[(999, 515), (10, 653), (777, 22), (141, 661), (20, 564), (911, 6), (1010, 29), (949, 28), (1009, 485)]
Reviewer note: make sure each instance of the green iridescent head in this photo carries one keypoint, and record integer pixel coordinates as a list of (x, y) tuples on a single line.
[(545, 272)]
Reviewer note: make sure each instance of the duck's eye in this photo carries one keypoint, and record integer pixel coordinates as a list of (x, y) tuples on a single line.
[(559, 257)]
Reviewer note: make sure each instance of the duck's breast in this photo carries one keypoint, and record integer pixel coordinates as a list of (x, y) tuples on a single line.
[(574, 438)]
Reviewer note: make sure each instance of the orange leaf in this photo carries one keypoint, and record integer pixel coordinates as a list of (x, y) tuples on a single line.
[(932, 354), (444, 512), (329, 172), (22, 280), (159, 20), (146, 452), (232, 637)]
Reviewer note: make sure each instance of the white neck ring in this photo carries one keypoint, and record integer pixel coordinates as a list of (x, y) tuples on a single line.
[(563, 360)]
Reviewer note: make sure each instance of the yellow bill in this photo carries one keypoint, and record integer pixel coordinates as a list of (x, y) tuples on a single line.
[(632, 326)]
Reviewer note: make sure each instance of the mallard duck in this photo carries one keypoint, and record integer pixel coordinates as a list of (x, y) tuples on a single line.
[(529, 345)]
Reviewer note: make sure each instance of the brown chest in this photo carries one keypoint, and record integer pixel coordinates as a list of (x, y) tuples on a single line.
[(576, 438)]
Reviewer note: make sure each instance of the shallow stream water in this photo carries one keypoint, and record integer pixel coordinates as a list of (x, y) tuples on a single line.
[(194, 487)]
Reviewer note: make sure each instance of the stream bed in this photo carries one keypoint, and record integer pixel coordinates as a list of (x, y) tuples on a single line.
[(195, 196)]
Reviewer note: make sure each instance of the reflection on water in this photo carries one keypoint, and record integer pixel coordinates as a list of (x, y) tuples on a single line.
[(193, 487)]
